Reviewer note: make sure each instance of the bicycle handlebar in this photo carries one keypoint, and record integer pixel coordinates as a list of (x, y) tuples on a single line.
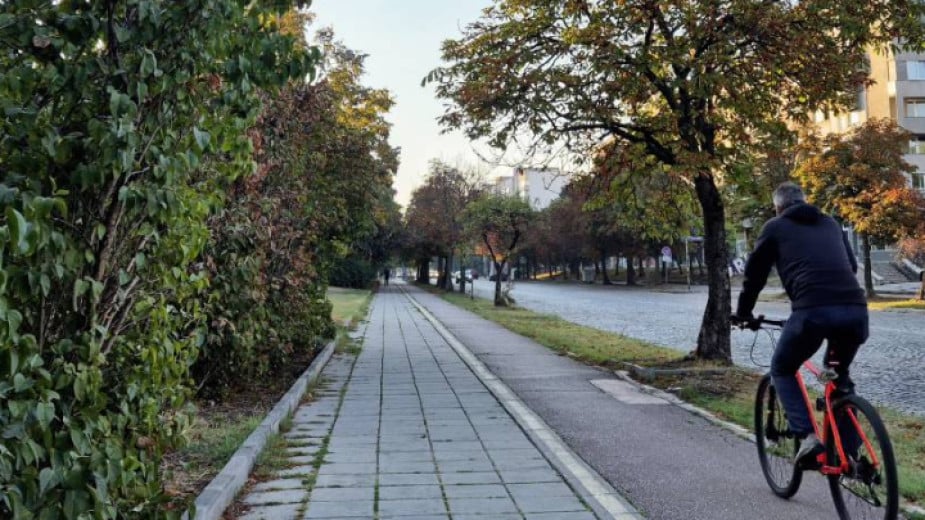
[(755, 323)]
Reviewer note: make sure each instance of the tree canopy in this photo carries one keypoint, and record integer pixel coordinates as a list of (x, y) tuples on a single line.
[(500, 222), (688, 81), (861, 178)]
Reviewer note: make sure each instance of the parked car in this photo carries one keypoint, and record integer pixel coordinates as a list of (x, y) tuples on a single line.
[(470, 275)]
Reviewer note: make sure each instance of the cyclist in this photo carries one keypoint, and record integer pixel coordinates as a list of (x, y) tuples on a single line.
[(819, 273)]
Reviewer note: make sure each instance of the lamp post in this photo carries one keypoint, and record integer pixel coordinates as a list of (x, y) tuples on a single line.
[(746, 225)]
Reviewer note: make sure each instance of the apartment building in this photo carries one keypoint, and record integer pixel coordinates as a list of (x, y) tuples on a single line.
[(537, 186), (898, 93)]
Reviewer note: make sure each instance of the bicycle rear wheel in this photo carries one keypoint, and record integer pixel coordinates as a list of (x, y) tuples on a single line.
[(869, 491), (776, 444)]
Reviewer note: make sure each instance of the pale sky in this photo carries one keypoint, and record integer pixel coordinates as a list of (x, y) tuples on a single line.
[(402, 39)]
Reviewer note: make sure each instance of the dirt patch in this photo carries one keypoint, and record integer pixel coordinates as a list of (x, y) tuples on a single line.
[(724, 383)]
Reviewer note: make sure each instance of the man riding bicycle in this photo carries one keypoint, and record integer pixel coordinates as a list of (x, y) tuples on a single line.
[(819, 272)]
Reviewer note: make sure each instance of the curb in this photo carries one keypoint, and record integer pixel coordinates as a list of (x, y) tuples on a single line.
[(222, 490), (596, 492)]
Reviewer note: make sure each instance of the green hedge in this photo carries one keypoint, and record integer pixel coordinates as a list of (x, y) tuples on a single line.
[(124, 124)]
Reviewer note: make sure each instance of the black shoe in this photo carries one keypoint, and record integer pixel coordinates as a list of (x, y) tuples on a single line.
[(810, 448)]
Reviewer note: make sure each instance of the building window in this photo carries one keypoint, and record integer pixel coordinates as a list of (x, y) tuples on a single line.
[(915, 70), (917, 145), (915, 107), (918, 181)]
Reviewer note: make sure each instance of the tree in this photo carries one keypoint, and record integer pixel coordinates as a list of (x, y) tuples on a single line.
[(689, 81), (436, 213), (317, 209), (499, 221), (860, 178), (757, 174)]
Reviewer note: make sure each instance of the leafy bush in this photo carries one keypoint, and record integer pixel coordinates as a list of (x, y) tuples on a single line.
[(113, 111), (353, 272), (317, 210)]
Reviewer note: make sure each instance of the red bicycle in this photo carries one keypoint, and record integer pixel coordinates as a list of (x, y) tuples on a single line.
[(858, 460)]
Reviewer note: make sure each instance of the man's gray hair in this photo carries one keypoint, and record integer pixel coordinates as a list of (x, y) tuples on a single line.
[(788, 194)]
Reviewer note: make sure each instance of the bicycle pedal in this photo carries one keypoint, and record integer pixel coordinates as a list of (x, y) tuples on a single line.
[(809, 465)]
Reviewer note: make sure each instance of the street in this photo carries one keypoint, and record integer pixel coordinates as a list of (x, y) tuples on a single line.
[(888, 368)]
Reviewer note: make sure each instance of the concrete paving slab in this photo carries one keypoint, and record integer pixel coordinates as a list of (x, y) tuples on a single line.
[(414, 506), (279, 512), (284, 496), (340, 509)]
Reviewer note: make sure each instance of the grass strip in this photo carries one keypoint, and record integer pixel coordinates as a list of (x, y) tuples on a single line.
[(883, 304), (349, 305), (584, 343), (729, 394)]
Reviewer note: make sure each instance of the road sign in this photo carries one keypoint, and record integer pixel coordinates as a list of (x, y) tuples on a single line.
[(666, 253)]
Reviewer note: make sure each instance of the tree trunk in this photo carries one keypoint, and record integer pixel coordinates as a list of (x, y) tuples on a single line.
[(713, 340), (630, 271), (499, 302), (604, 267), (642, 267), (921, 295), (424, 271), (448, 273), (868, 269)]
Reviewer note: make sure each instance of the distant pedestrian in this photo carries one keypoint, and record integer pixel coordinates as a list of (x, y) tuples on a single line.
[(385, 274)]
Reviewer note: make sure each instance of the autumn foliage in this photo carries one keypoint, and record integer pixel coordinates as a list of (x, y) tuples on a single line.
[(860, 177)]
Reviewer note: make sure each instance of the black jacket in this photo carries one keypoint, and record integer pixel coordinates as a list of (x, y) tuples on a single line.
[(813, 259)]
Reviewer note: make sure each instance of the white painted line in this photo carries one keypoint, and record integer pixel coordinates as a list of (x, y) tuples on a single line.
[(592, 487), (626, 393)]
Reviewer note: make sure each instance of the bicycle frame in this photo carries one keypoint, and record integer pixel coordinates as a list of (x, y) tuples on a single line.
[(829, 419)]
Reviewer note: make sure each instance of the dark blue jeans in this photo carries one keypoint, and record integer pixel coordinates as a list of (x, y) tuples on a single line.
[(844, 326)]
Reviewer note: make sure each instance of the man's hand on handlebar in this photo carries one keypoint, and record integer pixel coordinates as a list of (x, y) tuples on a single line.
[(747, 322)]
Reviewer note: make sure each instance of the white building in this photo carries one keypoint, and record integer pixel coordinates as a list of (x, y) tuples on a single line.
[(538, 187)]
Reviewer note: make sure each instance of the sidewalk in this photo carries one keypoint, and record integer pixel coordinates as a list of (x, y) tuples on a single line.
[(407, 430)]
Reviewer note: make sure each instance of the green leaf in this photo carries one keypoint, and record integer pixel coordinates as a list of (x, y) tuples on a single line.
[(80, 287), (148, 64), (48, 478), (45, 283), (22, 383), (18, 229), (44, 413), (202, 138), (13, 320)]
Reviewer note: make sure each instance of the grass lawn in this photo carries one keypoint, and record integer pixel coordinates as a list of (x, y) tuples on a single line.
[(730, 394), (883, 304), (349, 304)]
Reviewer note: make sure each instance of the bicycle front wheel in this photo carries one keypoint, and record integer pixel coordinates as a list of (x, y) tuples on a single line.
[(870, 490), (776, 443)]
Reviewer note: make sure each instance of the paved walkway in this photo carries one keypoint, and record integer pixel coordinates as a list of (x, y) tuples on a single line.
[(670, 464), (407, 430)]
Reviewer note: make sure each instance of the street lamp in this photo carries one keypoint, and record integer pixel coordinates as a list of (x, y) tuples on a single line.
[(746, 225)]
